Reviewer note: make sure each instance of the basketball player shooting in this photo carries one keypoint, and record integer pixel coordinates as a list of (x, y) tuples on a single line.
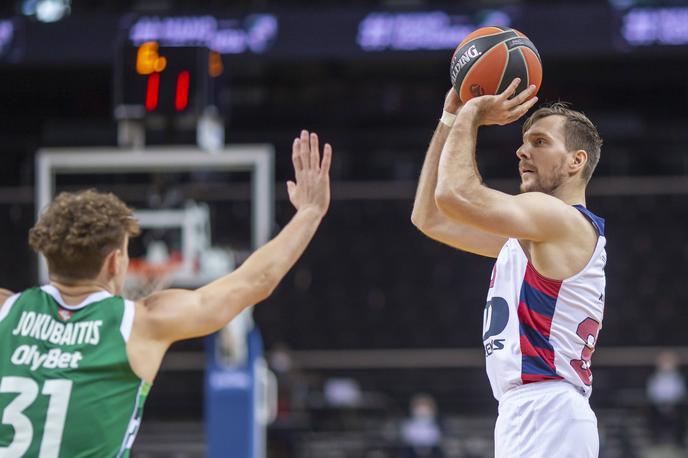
[(77, 360), (546, 296)]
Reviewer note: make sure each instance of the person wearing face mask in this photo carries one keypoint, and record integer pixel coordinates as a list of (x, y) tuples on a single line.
[(420, 432), (666, 391)]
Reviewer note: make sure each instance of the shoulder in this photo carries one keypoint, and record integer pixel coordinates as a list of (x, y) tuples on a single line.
[(567, 254), (4, 295), (157, 315), (540, 200), (588, 227), (556, 219)]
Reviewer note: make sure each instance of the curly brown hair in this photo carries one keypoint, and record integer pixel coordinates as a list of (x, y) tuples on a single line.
[(77, 231), (579, 132)]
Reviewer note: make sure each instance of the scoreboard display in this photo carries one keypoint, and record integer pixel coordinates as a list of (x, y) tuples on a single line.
[(167, 81)]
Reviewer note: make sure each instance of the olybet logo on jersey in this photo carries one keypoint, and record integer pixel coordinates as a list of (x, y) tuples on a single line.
[(42, 327)]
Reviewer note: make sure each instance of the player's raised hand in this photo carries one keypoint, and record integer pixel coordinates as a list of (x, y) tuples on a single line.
[(504, 108), (312, 186)]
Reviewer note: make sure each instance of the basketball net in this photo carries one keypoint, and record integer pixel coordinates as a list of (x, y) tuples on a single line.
[(144, 278)]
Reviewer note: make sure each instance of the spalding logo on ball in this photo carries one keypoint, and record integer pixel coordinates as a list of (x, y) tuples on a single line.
[(489, 59)]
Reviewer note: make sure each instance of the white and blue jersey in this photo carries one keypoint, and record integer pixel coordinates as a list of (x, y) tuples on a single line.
[(537, 329)]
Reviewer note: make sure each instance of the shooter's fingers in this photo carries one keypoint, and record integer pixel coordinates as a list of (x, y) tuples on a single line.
[(511, 89)]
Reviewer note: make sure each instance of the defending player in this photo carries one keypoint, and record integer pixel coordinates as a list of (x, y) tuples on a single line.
[(546, 296), (77, 360)]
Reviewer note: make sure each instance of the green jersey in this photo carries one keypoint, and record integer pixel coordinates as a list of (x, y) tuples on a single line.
[(66, 387)]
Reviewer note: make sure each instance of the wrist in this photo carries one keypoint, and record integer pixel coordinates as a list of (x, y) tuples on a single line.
[(470, 114), (448, 118), (310, 212)]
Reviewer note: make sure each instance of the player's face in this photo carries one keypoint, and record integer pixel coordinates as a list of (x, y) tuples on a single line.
[(542, 157)]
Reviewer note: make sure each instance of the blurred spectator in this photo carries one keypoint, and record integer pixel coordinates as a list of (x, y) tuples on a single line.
[(666, 389), (342, 392), (291, 402), (421, 432), (292, 385)]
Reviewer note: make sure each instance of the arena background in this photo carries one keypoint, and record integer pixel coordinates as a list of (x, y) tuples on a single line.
[(375, 313)]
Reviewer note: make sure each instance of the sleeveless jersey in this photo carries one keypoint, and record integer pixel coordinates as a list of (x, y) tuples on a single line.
[(536, 328), (66, 387)]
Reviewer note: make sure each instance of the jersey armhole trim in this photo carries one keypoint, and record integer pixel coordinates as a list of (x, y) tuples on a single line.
[(597, 222), (5, 310), (127, 319)]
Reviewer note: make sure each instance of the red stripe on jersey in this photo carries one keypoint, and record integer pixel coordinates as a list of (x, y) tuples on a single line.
[(528, 349), (543, 284), (535, 320), (532, 378)]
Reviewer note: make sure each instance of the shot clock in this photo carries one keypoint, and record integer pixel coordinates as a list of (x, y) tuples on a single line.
[(168, 81)]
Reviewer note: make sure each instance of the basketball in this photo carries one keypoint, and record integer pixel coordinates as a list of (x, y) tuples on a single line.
[(489, 59)]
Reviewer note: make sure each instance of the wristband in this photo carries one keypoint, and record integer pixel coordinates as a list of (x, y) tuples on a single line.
[(447, 118)]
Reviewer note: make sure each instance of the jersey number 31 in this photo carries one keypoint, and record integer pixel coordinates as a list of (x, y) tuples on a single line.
[(27, 389)]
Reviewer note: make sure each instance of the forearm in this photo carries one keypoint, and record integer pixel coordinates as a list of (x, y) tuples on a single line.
[(458, 178), (264, 269), (424, 207), (277, 256)]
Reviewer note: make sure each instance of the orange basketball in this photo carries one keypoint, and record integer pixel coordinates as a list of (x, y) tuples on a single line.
[(489, 59)]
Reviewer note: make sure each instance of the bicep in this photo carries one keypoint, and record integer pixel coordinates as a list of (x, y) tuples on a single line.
[(529, 216), (177, 314)]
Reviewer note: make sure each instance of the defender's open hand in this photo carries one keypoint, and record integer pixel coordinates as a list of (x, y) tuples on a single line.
[(312, 186)]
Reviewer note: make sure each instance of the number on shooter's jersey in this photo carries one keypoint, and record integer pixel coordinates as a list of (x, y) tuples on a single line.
[(588, 330), (27, 389)]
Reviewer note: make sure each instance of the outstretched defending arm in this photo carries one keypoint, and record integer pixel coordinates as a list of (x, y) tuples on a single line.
[(172, 315), (429, 219), (460, 193)]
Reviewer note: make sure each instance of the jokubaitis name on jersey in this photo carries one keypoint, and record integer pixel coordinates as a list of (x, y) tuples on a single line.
[(41, 326)]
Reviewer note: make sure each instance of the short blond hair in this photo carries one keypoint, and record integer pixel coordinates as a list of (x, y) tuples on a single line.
[(77, 231)]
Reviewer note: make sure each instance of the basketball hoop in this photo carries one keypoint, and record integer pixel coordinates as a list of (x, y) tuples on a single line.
[(144, 278)]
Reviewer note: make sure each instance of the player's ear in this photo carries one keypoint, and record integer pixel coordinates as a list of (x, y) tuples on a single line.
[(577, 161), (112, 262)]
